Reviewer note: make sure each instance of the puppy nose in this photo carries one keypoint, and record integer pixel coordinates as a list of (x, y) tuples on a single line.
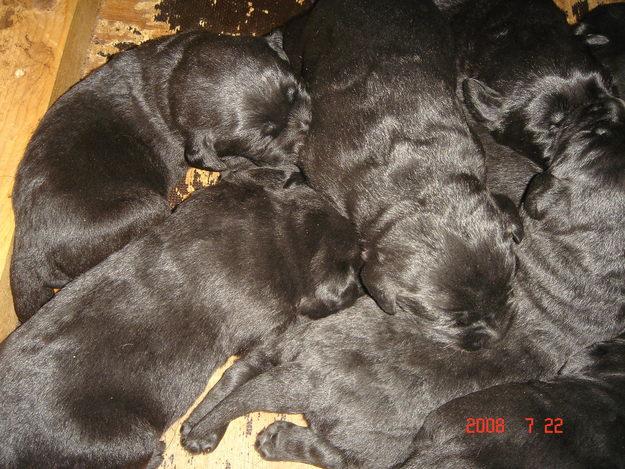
[(611, 109)]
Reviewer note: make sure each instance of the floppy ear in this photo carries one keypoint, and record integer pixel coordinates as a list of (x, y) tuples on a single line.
[(282, 177), (274, 39), (511, 214), (375, 288), (543, 192), (199, 151), (483, 103), (334, 293)]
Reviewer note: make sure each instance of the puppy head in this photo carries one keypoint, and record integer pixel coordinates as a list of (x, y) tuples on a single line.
[(529, 118), (586, 178), (453, 271), (246, 101), (333, 274), (531, 70)]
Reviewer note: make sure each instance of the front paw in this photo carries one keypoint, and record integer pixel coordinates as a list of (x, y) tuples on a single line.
[(196, 440), (269, 442), (200, 153)]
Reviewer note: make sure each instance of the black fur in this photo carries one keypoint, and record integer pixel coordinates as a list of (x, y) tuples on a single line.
[(98, 169), (390, 147), (365, 381), (110, 362), (507, 171), (588, 395), (603, 30), (524, 70)]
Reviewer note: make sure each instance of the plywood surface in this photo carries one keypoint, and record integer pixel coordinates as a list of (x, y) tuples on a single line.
[(33, 35)]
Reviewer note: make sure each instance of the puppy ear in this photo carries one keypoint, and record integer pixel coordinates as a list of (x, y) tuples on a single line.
[(296, 179), (199, 151), (275, 41), (483, 103), (543, 192), (382, 296), (334, 293), (283, 177), (511, 214)]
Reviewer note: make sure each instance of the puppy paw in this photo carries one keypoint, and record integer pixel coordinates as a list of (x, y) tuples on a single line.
[(197, 441), (200, 153), (271, 442)]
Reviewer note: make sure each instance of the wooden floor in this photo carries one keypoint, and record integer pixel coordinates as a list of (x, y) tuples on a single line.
[(46, 46)]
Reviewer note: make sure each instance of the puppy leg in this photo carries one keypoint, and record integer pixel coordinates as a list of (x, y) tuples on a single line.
[(281, 389), (238, 374), (157, 457), (200, 152), (285, 441)]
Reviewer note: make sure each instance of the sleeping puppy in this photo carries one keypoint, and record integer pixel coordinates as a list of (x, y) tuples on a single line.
[(390, 147), (603, 30), (365, 381), (576, 420), (98, 169), (522, 71), (121, 352)]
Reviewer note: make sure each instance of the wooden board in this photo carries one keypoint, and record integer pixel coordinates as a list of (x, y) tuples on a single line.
[(33, 36)]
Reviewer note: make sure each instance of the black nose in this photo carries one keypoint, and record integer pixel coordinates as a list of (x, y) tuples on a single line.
[(609, 109)]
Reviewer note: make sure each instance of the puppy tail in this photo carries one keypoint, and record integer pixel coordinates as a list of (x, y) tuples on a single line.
[(29, 291)]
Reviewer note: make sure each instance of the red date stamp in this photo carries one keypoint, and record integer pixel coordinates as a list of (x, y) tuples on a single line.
[(549, 426)]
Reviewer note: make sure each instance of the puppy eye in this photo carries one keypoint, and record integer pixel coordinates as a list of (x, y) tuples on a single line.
[(555, 120), (462, 319)]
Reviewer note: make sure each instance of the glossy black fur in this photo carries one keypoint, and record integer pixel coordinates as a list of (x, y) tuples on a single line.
[(390, 147), (522, 70), (603, 30), (122, 351), (365, 381), (98, 169), (588, 395), (507, 171)]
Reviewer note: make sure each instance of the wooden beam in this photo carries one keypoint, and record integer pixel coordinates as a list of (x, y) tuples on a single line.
[(33, 38)]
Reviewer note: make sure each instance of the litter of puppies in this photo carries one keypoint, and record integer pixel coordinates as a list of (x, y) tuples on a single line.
[(420, 219)]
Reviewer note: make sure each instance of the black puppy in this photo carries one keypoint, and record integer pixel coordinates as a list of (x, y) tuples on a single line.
[(576, 420), (122, 351), (366, 381), (98, 169), (390, 147), (526, 71), (603, 29)]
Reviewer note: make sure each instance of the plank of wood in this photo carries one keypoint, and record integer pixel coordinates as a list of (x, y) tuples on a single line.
[(33, 35)]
